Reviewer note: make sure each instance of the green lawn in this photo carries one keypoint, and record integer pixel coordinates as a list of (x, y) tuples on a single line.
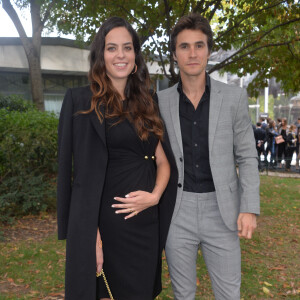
[(270, 261)]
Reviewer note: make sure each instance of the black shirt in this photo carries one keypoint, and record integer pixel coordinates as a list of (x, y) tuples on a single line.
[(194, 130)]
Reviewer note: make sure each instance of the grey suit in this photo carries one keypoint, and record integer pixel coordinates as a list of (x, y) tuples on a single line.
[(231, 143)]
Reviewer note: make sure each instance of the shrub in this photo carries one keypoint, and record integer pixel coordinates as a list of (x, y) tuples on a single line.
[(25, 194), (15, 102), (28, 161), (28, 142)]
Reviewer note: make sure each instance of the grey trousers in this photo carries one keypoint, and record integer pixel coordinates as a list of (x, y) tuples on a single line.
[(199, 224)]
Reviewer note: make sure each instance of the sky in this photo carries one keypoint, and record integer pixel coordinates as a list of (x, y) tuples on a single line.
[(7, 27)]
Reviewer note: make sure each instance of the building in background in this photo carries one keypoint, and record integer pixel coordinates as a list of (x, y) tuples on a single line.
[(64, 65)]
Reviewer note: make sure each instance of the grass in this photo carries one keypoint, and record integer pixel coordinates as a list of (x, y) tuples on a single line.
[(270, 261)]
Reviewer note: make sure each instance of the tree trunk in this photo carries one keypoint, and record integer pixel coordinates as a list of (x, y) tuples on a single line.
[(36, 81), (32, 47)]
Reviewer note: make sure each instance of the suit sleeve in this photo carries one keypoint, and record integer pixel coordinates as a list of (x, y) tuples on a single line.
[(64, 180), (246, 158)]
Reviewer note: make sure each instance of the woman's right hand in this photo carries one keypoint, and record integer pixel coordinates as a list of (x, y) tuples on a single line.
[(99, 254)]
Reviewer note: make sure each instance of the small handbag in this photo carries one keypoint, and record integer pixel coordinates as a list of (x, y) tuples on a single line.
[(279, 139), (106, 283)]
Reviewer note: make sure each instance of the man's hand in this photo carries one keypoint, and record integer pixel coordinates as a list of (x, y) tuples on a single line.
[(246, 223)]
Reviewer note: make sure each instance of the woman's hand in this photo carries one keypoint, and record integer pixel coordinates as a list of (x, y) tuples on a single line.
[(135, 202), (99, 253)]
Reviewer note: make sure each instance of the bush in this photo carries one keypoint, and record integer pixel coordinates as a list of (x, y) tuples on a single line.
[(28, 161), (28, 142), (15, 103), (25, 194)]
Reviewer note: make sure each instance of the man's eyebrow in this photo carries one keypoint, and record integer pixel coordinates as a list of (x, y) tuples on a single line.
[(186, 43), (183, 44)]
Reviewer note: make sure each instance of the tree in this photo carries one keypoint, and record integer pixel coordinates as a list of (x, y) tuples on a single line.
[(262, 36), (40, 18)]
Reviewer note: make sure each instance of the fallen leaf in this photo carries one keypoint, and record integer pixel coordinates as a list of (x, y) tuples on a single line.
[(266, 290), (267, 283)]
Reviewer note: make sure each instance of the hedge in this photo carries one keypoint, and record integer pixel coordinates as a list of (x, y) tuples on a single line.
[(28, 159)]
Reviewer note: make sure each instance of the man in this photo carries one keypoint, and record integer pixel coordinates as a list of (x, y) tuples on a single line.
[(210, 133), (260, 139), (263, 123), (298, 144)]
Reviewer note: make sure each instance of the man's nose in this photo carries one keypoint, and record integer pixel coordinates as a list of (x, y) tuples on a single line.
[(192, 52)]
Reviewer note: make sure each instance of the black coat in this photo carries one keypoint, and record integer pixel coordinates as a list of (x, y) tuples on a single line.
[(82, 156)]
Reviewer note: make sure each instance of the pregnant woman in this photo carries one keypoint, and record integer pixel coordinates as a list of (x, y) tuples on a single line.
[(117, 176)]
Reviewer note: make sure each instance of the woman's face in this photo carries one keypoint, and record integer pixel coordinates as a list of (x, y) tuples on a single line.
[(119, 56)]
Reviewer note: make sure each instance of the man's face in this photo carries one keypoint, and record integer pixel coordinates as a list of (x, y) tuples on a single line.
[(191, 52)]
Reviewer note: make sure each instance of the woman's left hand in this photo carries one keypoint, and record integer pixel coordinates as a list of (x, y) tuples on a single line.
[(135, 202)]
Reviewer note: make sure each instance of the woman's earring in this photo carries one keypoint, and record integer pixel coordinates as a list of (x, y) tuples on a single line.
[(135, 69)]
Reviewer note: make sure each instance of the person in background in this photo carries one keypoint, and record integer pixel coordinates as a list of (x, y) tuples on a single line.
[(260, 138), (272, 133), (281, 148), (279, 123), (298, 144), (263, 122), (267, 144), (291, 145)]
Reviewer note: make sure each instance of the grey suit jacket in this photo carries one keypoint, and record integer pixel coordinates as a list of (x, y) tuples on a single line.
[(231, 143)]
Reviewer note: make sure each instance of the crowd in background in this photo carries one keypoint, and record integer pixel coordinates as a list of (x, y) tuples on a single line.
[(279, 140)]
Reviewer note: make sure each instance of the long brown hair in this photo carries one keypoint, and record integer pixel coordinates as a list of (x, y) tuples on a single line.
[(141, 110)]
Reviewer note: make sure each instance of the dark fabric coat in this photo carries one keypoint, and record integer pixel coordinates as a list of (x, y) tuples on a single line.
[(82, 156)]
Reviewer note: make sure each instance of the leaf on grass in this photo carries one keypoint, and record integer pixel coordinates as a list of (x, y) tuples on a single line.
[(267, 283), (267, 292), (198, 282), (278, 268)]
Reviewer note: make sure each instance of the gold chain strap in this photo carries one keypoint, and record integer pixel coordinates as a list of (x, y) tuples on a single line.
[(106, 283)]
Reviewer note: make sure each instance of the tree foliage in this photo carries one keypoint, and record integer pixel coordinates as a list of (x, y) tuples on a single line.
[(261, 36)]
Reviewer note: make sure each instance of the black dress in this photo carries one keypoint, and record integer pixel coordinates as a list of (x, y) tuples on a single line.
[(130, 247)]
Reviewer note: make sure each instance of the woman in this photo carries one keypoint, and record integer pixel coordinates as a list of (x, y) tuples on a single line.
[(281, 148), (110, 204), (291, 146), (272, 133)]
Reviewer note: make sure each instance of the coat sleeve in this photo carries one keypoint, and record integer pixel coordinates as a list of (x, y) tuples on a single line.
[(168, 199), (246, 158), (64, 180)]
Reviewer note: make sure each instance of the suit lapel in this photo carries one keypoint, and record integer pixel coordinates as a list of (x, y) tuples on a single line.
[(99, 127), (174, 110), (216, 99)]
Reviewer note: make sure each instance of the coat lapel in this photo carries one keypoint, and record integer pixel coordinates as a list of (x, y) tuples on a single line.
[(216, 99), (174, 110), (99, 127)]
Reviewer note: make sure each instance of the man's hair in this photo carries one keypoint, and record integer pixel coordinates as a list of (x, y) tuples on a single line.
[(292, 127), (258, 124), (192, 21)]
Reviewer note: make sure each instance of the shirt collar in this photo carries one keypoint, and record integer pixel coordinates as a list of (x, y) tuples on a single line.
[(207, 84)]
